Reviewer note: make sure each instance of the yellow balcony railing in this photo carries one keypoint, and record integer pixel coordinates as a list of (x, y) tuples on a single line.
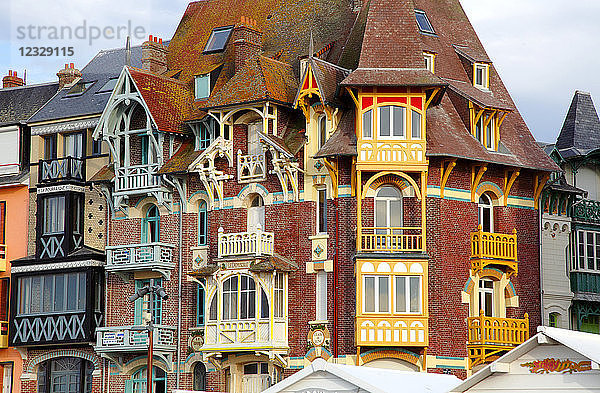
[(3, 263), (391, 152), (494, 249), (488, 337), (3, 334), (394, 331), (400, 239)]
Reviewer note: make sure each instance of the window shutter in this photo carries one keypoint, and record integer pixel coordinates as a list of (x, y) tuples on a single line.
[(129, 386)]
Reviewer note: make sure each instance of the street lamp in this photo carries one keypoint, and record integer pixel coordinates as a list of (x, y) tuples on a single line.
[(151, 290)]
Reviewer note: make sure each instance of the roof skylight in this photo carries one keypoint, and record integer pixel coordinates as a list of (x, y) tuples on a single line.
[(108, 86), (423, 22), (79, 88), (218, 39)]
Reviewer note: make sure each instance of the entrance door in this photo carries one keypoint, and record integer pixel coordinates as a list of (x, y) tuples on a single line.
[(256, 214), (65, 375), (486, 213), (486, 297)]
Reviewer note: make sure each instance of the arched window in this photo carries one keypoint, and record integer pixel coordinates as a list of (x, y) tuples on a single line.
[(139, 380), (388, 209), (486, 297), (240, 299), (553, 319), (254, 129), (65, 375), (256, 213), (199, 377), (486, 213), (202, 224), (322, 131), (150, 225)]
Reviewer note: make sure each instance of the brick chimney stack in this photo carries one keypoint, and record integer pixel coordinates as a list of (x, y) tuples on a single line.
[(154, 55), (12, 80), (67, 75), (247, 41)]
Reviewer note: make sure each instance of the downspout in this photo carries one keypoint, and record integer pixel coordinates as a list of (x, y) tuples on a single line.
[(179, 293), (540, 213), (335, 280)]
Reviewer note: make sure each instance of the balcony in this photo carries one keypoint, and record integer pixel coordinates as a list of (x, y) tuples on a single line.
[(404, 239), (256, 243), (488, 337), (392, 331), (397, 154), (3, 262), (586, 210), (494, 249), (68, 327), (585, 282), (114, 339), (140, 257), (137, 179), (245, 335), (3, 334), (61, 169), (251, 167)]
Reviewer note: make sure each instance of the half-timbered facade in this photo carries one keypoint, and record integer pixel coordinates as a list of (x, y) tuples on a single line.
[(316, 179)]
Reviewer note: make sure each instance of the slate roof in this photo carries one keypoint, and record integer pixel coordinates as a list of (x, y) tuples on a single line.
[(560, 184), (580, 132), (107, 64), (17, 104)]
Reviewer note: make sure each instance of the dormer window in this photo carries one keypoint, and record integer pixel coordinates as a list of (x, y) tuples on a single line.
[(202, 86), (481, 75), (218, 39), (423, 22), (429, 61), (485, 129)]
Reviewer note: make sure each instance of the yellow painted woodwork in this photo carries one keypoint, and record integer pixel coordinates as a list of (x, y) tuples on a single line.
[(3, 263), (349, 90), (540, 182), (476, 178), (392, 331), (332, 168), (489, 337), (431, 97), (401, 239), (307, 93), (445, 170), (494, 249), (3, 334), (508, 182)]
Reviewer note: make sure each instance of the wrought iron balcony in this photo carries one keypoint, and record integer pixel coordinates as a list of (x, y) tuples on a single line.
[(585, 282), (140, 257), (245, 334), (137, 179), (3, 262), (392, 331), (489, 337), (494, 249), (251, 167), (3, 334), (112, 339), (257, 242), (409, 153), (61, 169), (401, 239), (586, 210)]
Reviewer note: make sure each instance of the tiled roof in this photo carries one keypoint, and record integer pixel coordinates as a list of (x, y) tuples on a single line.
[(169, 100), (107, 64), (472, 55), (181, 160), (276, 262), (581, 128), (484, 99), (343, 140), (17, 104), (328, 76), (417, 77), (105, 175), (261, 79)]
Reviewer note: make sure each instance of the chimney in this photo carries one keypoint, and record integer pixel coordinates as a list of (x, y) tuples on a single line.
[(247, 40), (154, 55), (12, 80), (67, 75)]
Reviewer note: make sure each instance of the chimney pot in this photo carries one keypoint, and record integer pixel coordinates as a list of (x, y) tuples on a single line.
[(12, 80), (68, 75), (154, 55)]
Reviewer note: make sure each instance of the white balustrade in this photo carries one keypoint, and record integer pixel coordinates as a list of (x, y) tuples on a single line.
[(257, 242), (251, 166), (133, 338), (139, 256), (138, 177)]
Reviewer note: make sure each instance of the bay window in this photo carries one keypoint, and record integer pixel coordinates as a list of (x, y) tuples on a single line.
[(392, 122), (408, 294), (367, 124), (143, 307), (240, 299), (51, 294), (54, 215), (588, 251), (404, 292), (377, 294)]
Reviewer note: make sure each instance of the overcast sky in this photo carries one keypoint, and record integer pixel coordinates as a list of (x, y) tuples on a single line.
[(543, 49)]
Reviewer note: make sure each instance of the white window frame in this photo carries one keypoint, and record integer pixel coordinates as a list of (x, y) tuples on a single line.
[(579, 234), (321, 131), (368, 113), (480, 210), (388, 207), (392, 122), (321, 296), (482, 290), (429, 61), (485, 75), (205, 79), (376, 294), (279, 303), (321, 193), (407, 279)]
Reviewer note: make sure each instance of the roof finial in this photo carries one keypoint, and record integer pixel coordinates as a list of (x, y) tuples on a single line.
[(128, 52), (311, 45)]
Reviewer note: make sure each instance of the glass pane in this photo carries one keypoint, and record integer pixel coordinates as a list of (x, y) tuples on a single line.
[(36, 294), (590, 250), (244, 304), (384, 294), (381, 213), (416, 125), (264, 304), (59, 292), (415, 294), (82, 292), (478, 127), (581, 248), (322, 130), (423, 22), (400, 294), (217, 40), (212, 313), (48, 294), (399, 121), (489, 135), (597, 251), (396, 213), (71, 292), (384, 121), (367, 126), (202, 86), (488, 304), (369, 294)]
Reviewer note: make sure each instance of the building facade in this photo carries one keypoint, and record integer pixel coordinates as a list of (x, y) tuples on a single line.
[(318, 179), (18, 103), (570, 223)]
